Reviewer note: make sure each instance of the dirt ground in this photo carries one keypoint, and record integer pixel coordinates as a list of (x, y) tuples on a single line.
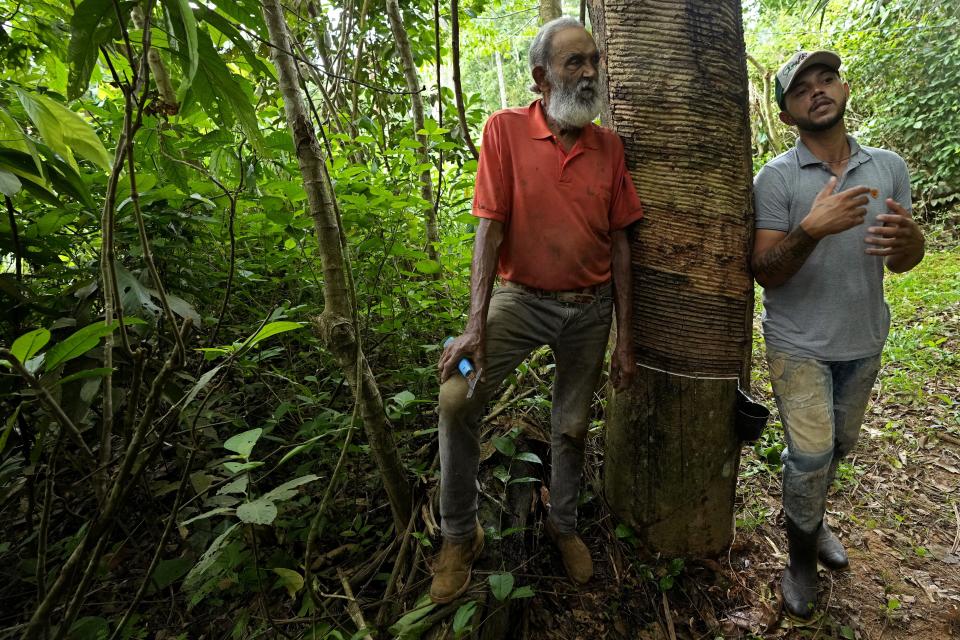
[(895, 507)]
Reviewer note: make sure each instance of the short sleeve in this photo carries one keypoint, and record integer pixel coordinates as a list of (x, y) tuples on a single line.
[(771, 203), (901, 185), (491, 193), (625, 205)]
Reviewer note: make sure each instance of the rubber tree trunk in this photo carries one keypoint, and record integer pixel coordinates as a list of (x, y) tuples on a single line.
[(676, 89), (416, 103), (549, 10), (337, 322)]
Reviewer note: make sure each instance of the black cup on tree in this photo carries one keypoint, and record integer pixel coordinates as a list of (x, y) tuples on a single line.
[(751, 417)]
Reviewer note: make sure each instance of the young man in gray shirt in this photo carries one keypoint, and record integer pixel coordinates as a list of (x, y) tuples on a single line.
[(830, 214)]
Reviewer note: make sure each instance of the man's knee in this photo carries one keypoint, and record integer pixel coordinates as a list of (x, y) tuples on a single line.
[(453, 397)]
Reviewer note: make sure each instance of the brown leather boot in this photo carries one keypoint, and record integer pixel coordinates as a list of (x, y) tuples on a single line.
[(451, 571), (576, 556)]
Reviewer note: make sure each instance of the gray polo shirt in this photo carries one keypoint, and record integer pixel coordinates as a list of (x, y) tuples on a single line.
[(833, 307)]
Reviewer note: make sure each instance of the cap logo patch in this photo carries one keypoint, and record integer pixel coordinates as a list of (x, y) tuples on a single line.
[(793, 64)]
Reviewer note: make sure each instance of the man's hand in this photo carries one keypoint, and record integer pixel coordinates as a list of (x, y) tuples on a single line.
[(623, 367), (900, 239), (835, 212), (470, 346)]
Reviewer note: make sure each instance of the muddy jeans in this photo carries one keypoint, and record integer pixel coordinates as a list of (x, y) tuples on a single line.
[(518, 322), (821, 406)]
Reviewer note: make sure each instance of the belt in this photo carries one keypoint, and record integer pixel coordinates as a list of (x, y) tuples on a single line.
[(577, 296)]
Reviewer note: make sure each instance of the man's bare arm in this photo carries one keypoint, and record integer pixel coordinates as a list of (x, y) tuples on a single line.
[(483, 270), (777, 255)]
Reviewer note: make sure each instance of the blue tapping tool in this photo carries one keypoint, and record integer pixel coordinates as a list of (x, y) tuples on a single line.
[(466, 370)]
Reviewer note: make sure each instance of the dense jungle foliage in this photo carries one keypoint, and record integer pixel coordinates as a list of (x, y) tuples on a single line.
[(195, 465)]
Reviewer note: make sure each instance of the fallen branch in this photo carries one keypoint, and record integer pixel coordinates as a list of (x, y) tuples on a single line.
[(352, 607)]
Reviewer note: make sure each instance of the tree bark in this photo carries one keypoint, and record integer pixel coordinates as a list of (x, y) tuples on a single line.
[(676, 89), (500, 81), (416, 103), (550, 10), (337, 323), (457, 88)]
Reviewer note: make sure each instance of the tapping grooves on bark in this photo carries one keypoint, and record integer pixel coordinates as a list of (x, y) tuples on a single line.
[(676, 83)]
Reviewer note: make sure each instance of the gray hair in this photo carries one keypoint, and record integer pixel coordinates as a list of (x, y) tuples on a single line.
[(539, 55)]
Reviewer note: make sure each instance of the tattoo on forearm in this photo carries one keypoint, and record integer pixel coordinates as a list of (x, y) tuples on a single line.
[(785, 258)]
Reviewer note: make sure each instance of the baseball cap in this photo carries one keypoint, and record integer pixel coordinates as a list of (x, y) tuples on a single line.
[(797, 63)]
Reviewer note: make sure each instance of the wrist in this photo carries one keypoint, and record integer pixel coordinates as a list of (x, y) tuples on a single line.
[(810, 229)]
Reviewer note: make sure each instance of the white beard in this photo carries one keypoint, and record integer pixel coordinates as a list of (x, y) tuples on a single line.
[(570, 105)]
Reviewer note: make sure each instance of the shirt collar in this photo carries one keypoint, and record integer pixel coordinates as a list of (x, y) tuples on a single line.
[(857, 154), (540, 131)]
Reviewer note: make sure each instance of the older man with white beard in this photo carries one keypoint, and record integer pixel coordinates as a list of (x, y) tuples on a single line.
[(553, 198)]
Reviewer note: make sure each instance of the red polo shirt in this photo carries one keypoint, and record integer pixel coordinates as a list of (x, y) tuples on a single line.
[(558, 208)]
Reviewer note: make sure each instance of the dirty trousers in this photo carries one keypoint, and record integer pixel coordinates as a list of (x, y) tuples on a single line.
[(518, 322), (821, 404)]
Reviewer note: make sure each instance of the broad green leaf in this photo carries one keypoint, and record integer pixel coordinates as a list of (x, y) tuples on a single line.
[(528, 456), (12, 136), (239, 40), (89, 628), (407, 625), (8, 427), (242, 443), (208, 558), (272, 329), (297, 449), (526, 591), (427, 266), (461, 619), (208, 514), (64, 130), (524, 480), (404, 398), (98, 372), (259, 511), (290, 579), (64, 178), (91, 26), (505, 446), (199, 385), (237, 467), (501, 584), (27, 345), (169, 571), (235, 486), (77, 344), (9, 184), (185, 28), (289, 489)]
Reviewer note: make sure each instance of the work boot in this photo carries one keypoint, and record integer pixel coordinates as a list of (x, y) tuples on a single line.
[(830, 551), (451, 572), (799, 581), (576, 556)]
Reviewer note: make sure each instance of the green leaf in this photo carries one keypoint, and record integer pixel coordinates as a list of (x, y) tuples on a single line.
[(623, 531), (259, 511), (207, 559), (290, 579), (185, 28), (63, 130), (271, 329), (13, 138), (407, 626), (461, 619), (524, 480), (208, 514), (526, 591), (199, 385), (242, 443), (9, 184), (97, 372), (8, 427), (169, 571), (427, 266), (501, 584), (27, 345), (77, 344), (288, 489), (91, 26), (89, 628), (505, 446), (238, 485), (297, 449), (528, 456), (237, 467)]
